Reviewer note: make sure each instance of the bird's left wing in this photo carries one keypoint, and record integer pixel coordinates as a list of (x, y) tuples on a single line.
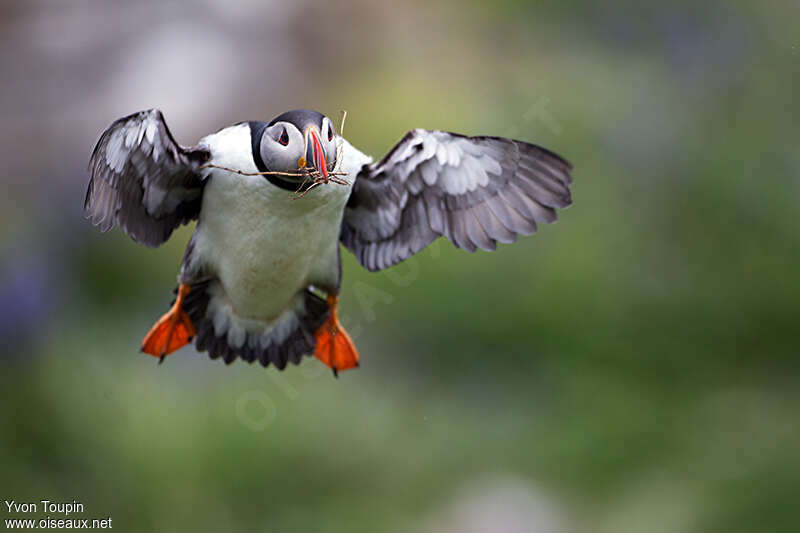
[(142, 180), (473, 190)]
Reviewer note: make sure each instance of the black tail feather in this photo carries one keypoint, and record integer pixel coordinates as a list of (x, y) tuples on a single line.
[(300, 342)]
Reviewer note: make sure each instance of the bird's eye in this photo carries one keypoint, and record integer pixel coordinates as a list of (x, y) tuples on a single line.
[(284, 138), (330, 133)]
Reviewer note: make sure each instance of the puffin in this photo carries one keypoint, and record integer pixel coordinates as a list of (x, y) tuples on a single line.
[(262, 272)]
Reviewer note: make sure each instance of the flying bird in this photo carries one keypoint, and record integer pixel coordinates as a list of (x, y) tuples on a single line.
[(261, 275)]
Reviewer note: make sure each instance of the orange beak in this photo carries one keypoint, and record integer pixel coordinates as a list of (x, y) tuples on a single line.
[(317, 153)]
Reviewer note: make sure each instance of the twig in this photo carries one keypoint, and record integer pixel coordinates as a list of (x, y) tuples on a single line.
[(273, 172), (340, 147), (319, 180)]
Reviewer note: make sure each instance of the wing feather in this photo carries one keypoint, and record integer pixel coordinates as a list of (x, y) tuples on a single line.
[(476, 191), (142, 180)]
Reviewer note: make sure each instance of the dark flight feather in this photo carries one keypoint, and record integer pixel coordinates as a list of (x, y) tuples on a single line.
[(142, 180)]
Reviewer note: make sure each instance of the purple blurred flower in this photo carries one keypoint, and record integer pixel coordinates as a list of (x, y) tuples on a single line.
[(27, 297)]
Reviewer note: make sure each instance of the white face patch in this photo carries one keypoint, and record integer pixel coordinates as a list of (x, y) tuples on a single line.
[(329, 141), (282, 145)]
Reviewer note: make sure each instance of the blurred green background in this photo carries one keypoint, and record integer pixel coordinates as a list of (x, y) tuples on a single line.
[(632, 368)]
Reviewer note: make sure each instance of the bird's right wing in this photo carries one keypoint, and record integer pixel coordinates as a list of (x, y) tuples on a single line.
[(142, 180)]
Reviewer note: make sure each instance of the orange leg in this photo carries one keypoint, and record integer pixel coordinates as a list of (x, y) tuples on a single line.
[(334, 346), (172, 331)]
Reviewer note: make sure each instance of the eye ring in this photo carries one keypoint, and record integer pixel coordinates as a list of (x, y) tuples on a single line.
[(330, 133), (284, 138)]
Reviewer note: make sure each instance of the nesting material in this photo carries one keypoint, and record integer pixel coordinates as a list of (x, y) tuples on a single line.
[(311, 178)]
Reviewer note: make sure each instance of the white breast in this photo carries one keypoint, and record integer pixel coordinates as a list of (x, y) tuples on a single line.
[(263, 245)]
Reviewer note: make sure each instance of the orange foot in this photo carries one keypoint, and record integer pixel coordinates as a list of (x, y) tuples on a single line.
[(334, 347), (172, 331)]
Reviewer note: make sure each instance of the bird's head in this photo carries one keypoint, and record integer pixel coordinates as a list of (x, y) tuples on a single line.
[(296, 140)]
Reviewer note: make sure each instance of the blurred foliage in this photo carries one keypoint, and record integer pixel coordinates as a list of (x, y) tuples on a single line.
[(637, 360)]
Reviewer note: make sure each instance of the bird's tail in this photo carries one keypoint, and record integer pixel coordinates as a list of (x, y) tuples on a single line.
[(223, 335)]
